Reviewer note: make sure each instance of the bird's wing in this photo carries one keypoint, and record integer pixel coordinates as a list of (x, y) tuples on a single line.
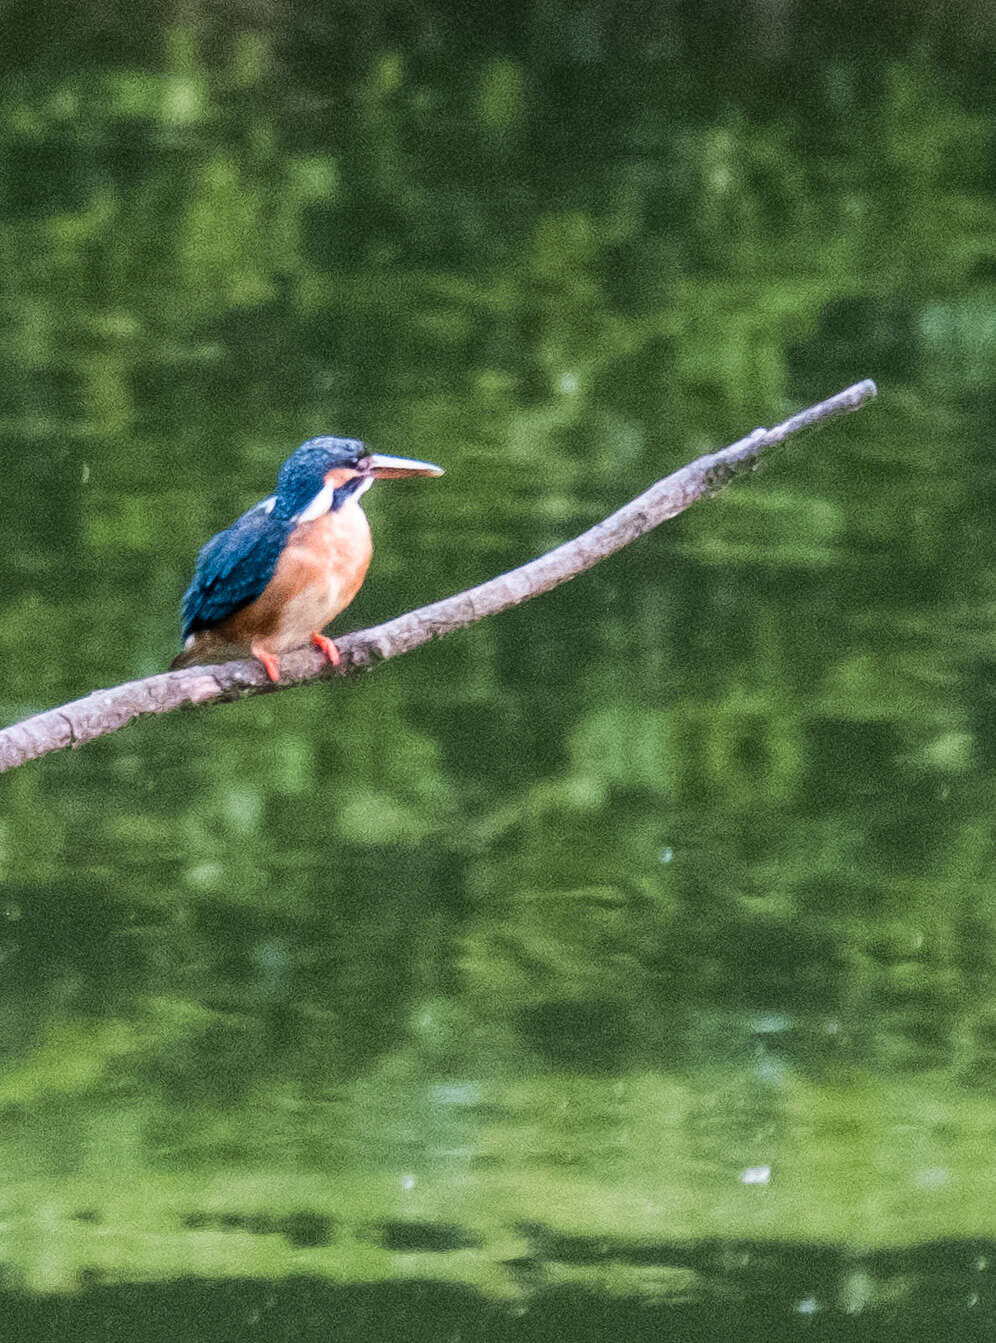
[(233, 568)]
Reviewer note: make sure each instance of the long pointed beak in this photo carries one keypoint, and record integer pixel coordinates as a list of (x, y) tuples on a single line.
[(397, 468)]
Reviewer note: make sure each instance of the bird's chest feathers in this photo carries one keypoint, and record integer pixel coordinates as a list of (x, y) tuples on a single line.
[(320, 570)]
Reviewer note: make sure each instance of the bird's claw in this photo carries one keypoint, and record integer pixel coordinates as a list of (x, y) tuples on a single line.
[(328, 648), (270, 664)]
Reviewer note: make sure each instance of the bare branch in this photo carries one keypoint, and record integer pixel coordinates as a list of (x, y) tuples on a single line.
[(104, 711)]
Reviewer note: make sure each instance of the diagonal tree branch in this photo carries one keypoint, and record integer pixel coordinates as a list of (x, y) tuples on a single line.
[(104, 711)]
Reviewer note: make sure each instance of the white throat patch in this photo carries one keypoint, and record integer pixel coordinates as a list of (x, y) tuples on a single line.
[(322, 501)]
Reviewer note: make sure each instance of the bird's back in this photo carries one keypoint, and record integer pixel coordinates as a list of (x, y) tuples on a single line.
[(233, 568)]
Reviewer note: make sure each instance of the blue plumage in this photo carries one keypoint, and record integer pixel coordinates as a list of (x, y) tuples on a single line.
[(235, 566), (304, 472)]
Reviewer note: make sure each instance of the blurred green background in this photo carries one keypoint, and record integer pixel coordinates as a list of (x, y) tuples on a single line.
[(622, 965)]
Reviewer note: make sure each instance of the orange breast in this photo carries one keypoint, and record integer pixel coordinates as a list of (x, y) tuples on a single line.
[(320, 571)]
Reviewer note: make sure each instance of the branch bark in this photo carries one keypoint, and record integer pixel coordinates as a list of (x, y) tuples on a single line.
[(105, 711)]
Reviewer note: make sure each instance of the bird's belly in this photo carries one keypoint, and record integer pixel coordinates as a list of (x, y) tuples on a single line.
[(318, 574), (311, 608)]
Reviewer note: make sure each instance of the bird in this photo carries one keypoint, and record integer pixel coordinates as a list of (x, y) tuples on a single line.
[(285, 569)]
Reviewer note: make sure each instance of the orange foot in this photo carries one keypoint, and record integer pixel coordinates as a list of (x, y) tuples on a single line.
[(270, 664), (327, 647)]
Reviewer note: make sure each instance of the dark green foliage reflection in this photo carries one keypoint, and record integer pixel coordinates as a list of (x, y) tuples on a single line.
[(658, 913)]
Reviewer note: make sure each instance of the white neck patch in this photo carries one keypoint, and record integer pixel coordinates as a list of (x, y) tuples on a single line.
[(321, 503)]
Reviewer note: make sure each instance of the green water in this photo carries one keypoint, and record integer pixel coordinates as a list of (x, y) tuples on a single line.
[(620, 967)]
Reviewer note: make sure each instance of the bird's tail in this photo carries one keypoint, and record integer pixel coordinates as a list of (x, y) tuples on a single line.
[(187, 657), (204, 646)]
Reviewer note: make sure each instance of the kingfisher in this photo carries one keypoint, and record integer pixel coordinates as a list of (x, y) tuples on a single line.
[(285, 569)]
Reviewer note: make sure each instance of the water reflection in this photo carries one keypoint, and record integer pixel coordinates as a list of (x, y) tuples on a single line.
[(626, 958)]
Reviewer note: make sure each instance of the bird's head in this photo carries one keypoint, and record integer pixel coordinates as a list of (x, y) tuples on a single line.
[(324, 472)]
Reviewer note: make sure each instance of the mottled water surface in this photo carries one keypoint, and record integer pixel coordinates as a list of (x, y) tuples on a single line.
[(621, 967)]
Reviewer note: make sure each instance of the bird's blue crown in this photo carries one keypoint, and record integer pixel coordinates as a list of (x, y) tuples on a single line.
[(303, 474)]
